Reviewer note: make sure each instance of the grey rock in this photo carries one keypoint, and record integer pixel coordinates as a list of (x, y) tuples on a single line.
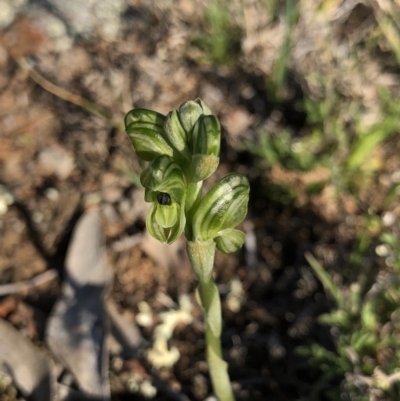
[(57, 161)]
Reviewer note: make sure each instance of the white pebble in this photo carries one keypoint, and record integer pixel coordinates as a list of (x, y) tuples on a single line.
[(388, 218), (52, 194), (7, 14)]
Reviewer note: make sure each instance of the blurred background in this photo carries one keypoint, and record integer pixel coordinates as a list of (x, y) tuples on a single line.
[(307, 93)]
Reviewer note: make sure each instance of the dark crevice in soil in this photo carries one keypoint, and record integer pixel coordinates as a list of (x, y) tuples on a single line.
[(34, 235), (62, 243)]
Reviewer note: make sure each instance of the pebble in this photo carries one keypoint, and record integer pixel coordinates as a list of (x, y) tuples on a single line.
[(52, 194), (92, 16), (57, 161), (54, 28), (6, 199), (63, 21), (37, 217), (7, 14), (92, 199), (388, 218)]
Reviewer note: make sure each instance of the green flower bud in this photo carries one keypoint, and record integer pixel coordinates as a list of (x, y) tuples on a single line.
[(206, 136), (163, 175), (222, 208), (205, 146), (175, 132), (145, 128), (189, 113), (230, 240)]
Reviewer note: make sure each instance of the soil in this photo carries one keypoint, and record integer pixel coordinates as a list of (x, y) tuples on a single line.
[(56, 158)]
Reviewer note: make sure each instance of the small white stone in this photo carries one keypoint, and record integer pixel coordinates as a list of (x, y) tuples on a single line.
[(388, 218), (37, 217), (6, 199), (133, 385), (93, 198), (147, 389), (7, 14), (160, 356), (145, 316), (382, 250), (52, 194), (395, 177), (3, 206), (235, 298), (56, 160)]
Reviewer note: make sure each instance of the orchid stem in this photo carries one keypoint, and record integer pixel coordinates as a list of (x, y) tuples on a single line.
[(201, 255)]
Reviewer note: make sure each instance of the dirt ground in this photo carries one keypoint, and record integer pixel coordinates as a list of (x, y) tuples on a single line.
[(58, 159)]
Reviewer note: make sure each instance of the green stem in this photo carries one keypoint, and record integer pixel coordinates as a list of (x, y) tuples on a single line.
[(193, 198), (201, 255)]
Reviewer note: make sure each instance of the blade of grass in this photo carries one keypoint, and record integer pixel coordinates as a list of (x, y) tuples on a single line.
[(71, 97), (326, 280), (279, 74), (365, 145)]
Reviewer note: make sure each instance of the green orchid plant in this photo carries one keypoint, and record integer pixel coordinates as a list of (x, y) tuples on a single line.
[(183, 149)]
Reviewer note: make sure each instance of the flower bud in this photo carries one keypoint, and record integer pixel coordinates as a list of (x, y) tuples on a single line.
[(206, 136), (205, 146), (175, 132), (222, 208), (189, 113), (230, 240), (145, 128)]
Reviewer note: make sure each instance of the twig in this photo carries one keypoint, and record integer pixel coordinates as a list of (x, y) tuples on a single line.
[(70, 97), (126, 243), (7, 289)]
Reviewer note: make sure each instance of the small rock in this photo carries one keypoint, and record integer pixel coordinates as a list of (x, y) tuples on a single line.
[(57, 161), (85, 18), (52, 194), (54, 28), (388, 218), (91, 199), (147, 389), (37, 217), (6, 199), (7, 14)]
